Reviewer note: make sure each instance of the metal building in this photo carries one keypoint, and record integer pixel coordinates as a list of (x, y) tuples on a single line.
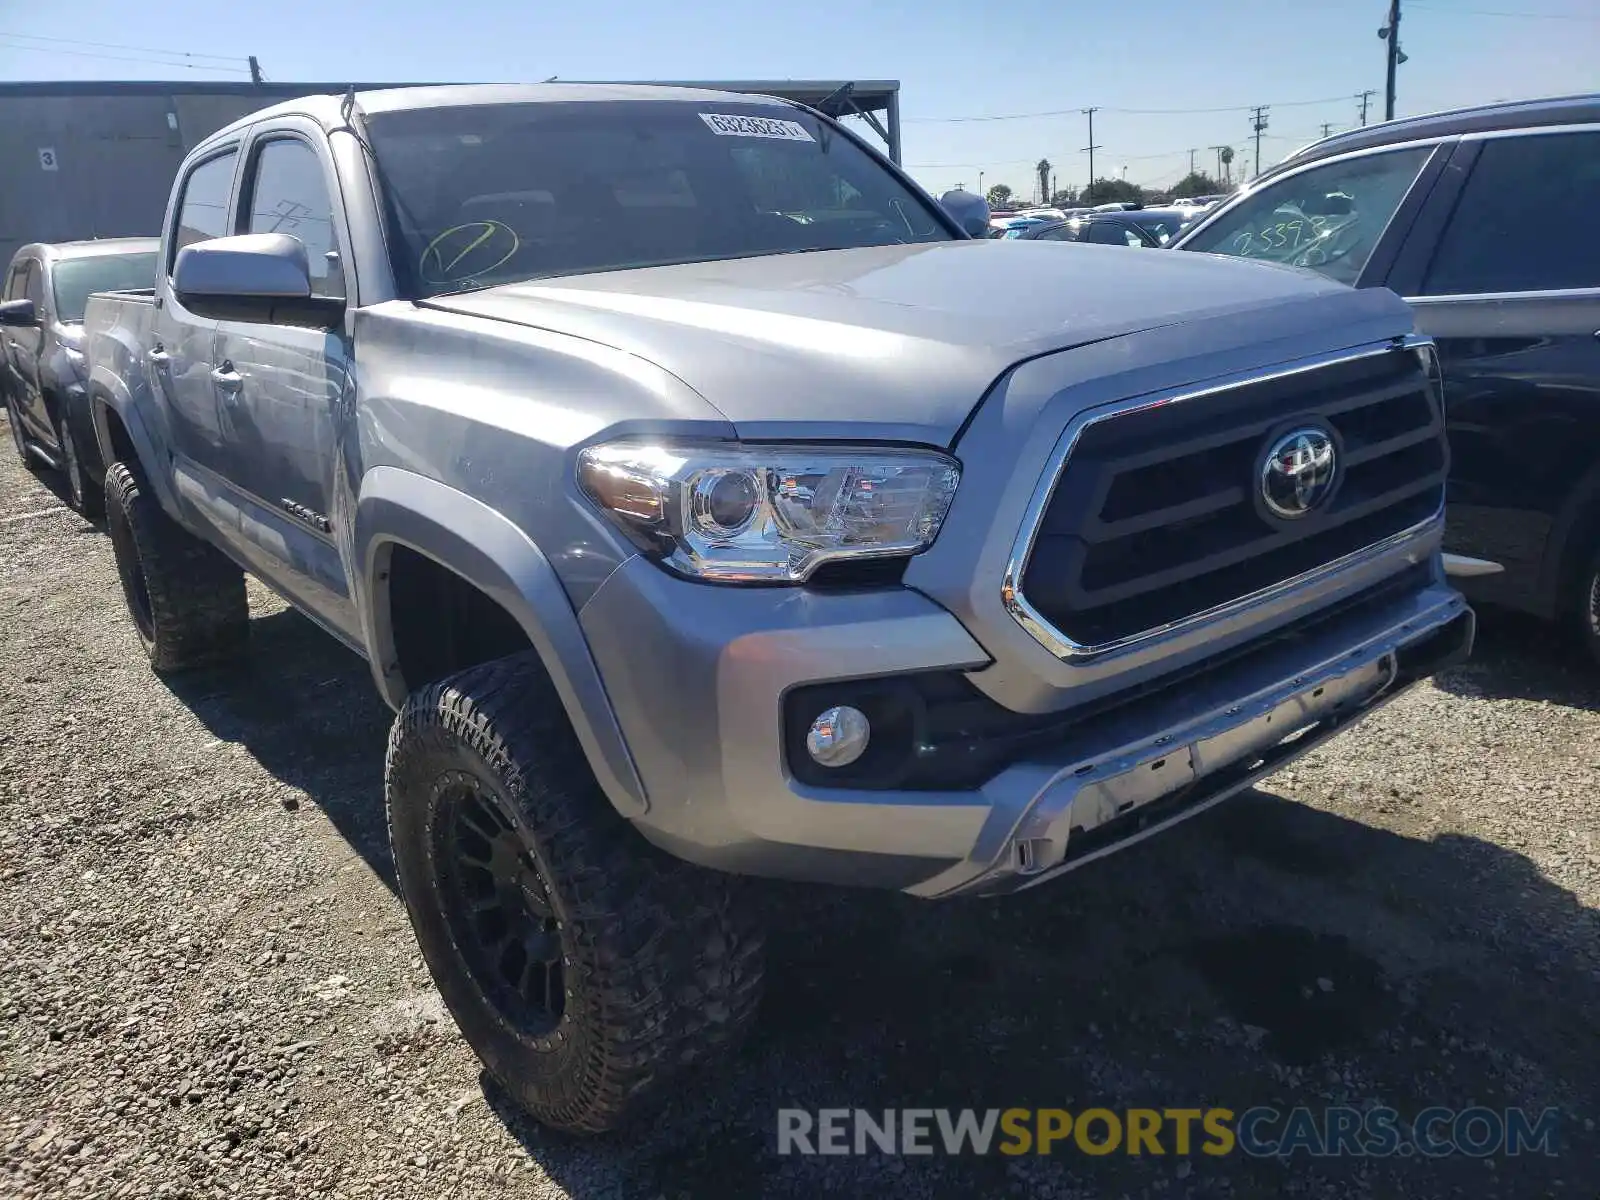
[(82, 160)]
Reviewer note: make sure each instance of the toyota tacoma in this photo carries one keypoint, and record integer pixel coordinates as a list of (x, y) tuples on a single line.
[(711, 504)]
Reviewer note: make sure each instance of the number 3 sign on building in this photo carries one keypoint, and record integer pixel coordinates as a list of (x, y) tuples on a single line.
[(47, 159)]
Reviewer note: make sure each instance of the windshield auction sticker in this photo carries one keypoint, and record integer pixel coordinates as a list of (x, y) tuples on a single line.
[(731, 125)]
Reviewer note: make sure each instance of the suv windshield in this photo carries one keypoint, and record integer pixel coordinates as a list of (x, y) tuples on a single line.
[(76, 278), (498, 193)]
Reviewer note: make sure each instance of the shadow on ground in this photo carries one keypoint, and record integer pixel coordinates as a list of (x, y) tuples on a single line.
[(1522, 658), (306, 709), (1266, 953)]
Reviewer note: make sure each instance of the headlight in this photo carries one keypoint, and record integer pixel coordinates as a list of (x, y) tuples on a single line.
[(771, 513)]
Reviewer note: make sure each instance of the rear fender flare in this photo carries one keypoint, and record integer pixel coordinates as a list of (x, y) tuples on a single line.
[(399, 508), (108, 394)]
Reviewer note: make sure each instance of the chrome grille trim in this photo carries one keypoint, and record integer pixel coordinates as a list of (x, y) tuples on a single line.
[(1064, 647)]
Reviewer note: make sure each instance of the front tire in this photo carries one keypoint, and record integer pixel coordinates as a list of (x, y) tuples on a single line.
[(583, 965), (186, 598)]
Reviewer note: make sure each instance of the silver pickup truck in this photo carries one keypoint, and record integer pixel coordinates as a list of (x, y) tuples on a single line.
[(710, 504)]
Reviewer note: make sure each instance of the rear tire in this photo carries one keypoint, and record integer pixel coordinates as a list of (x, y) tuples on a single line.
[(85, 496), (1587, 606), (587, 967), (186, 598), (18, 438)]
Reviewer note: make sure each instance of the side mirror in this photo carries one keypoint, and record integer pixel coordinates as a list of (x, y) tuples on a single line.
[(970, 212), (19, 313), (263, 277)]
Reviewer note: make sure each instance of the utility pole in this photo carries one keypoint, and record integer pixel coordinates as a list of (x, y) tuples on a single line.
[(1091, 147), (255, 70), (1327, 128), (1258, 122), (1191, 161), (1391, 34), (1219, 150), (1364, 97)]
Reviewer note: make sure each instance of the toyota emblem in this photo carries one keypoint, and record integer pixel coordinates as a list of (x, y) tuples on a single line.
[(1298, 472)]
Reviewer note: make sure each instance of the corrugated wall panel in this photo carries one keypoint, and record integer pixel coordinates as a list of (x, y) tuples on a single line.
[(115, 157)]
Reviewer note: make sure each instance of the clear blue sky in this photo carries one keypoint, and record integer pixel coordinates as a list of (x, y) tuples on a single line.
[(954, 58)]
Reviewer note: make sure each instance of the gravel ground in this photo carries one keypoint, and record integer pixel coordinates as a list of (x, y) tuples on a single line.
[(209, 988)]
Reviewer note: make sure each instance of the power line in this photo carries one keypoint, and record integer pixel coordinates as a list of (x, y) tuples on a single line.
[(1493, 12), (1138, 112), (1018, 162), (36, 37), (128, 58)]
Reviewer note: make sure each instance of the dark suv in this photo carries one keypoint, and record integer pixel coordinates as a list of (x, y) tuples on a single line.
[(43, 370), (1481, 218)]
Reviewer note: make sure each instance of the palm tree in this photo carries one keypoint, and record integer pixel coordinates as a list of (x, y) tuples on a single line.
[(1044, 180), (1227, 164)]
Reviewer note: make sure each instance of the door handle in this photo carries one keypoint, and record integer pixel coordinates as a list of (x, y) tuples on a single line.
[(158, 356), (226, 378)]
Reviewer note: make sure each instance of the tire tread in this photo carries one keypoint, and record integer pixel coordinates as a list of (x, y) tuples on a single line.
[(672, 958)]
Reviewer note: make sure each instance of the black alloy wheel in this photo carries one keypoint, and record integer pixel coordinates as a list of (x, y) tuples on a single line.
[(497, 905)]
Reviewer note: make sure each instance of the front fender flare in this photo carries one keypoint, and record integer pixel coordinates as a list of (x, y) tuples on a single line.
[(399, 508)]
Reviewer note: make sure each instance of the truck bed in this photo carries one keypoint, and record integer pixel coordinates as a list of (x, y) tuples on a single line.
[(117, 333)]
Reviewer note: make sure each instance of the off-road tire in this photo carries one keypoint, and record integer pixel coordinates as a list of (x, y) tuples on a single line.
[(660, 961), (86, 497), (186, 598), (1586, 607)]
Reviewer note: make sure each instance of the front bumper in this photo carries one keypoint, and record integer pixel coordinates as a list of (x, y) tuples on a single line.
[(697, 677)]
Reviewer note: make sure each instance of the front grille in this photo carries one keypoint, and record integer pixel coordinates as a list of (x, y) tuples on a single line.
[(1155, 515)]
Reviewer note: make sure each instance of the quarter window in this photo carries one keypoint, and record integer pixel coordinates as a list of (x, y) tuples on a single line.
[(203, 212), (290, 195), (1328, 218), (1523, 223)]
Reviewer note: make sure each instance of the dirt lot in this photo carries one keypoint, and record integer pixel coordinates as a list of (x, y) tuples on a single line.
[(209, 988)]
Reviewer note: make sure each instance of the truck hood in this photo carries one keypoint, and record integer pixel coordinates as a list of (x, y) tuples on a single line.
[(892, 341)]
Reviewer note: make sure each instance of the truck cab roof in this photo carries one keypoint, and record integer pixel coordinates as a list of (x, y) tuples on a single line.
[(326, 108), (88, 248)]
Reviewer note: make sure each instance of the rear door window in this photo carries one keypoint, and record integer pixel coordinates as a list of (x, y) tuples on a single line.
[(1524, 222), (1327, 218), (203, 211)]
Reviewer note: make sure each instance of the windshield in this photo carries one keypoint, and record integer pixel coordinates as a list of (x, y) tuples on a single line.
[(76, 278), (1328, 218), (498, 193)]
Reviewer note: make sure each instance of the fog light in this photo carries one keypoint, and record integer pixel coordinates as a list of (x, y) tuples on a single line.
[(838, 736)]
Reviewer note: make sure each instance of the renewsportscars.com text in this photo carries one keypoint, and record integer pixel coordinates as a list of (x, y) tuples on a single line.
[(1260, 1132)]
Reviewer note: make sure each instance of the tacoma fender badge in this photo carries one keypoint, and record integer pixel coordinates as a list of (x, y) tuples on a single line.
[(306, 516)]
